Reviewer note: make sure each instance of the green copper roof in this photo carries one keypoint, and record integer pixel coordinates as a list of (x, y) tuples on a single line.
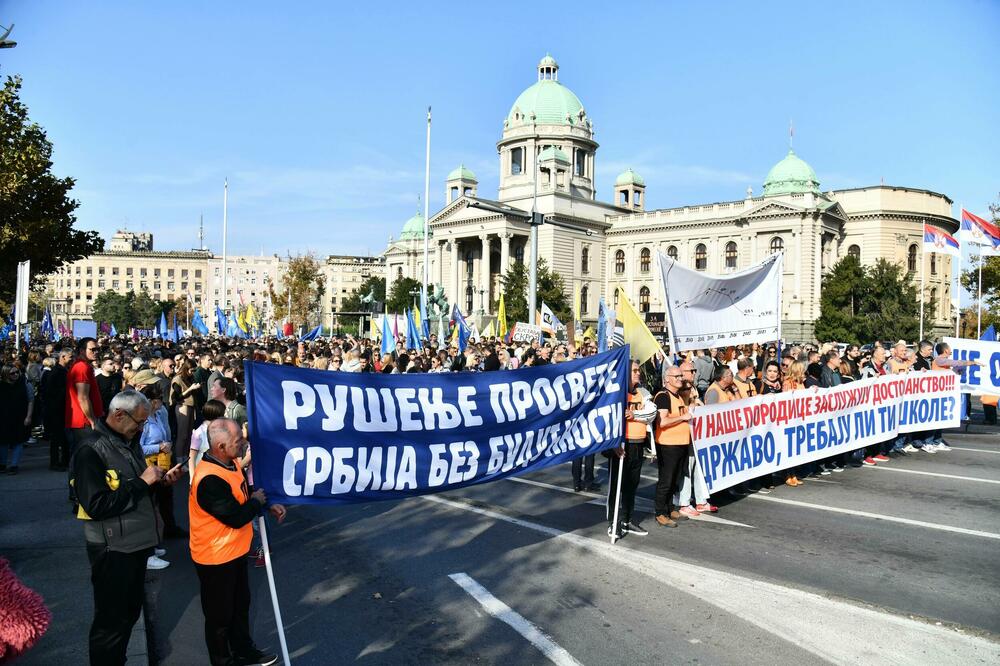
[(791, 175), (413, 229), (629, 177), (550, 101), (462, 173), (553, 153)]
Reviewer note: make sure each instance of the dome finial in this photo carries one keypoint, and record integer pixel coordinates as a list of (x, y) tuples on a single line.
[(548, 69), (791, 135)]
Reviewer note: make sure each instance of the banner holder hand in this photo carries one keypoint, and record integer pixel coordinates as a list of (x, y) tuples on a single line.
[(270, 581)]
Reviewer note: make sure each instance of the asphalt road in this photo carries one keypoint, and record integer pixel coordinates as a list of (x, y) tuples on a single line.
[(897, 564)]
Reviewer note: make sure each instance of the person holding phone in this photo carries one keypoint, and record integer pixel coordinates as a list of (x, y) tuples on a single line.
[(115, 492)]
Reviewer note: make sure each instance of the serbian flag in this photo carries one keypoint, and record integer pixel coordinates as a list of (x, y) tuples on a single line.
[(978, 231), (937, 240)]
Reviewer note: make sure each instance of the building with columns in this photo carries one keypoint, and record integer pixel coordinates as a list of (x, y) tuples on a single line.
[(547, 154)]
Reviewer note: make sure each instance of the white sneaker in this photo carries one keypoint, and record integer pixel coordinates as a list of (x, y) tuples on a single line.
[(929, 448), (159, 552), (909, 448), (943, 447), (155, 562)]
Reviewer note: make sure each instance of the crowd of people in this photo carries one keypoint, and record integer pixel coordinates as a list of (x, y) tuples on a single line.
[(149, 409)]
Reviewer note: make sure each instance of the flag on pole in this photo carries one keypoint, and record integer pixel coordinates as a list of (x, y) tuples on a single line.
[(311, 335), (163, 325), (412, 334), (463, 338), (938, 240), (636, 334), (602, 326), (501, 319), (388, 341), (548, 321), (373, 328), (113, 332), (978, 231), (990, 334), (241, 320), (177, 333), (589, 334), (456, 317), (489, 331), (198, 324), (395, 327), (47, 331), (220, 320)]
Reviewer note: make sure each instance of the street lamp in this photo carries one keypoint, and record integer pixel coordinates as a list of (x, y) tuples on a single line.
[(482, 306)]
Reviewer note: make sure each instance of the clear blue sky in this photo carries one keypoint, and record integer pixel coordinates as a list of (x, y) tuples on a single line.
[(315, 110)]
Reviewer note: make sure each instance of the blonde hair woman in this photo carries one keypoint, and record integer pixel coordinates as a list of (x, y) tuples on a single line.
[(795, 380)]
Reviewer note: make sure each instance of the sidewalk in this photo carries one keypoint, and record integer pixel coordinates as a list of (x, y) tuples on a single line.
[(45, 546)]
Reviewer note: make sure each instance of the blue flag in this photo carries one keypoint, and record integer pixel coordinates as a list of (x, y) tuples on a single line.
[(337, 438), (990, 334), (198, 323), (220, 320), (412, 335), (278, 332), (114, 331), (463, 338), (311, 335), (602, 326), (48, 331), (162, 330), (388, 341), (177, 332)]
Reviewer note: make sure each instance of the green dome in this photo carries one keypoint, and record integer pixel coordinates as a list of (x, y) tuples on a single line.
[(549, 101), (791, 175), (553, 153), (462, 173), (629, 177), (413, 229)]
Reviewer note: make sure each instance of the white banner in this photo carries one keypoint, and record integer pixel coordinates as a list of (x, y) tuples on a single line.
[(712, 311), (746, 439), (985, 378)]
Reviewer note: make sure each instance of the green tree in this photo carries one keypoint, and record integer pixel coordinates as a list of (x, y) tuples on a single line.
[(551, 290), (304, 279), (840, 301), (36, 212), (353, 301), (146, 310), (401, 295), (115, 308)]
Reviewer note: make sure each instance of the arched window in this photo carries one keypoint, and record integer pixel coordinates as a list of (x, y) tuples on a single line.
[(469, 265), (854, 251), (584, 293), (643, 299), (516, 161), (620, 262), (700, 257), (585, 261), (469, 292), (777, 245), (911, 258), (519, 253), (933, 263), (644, 260), (731, 254), (399, 273), (672, 252)]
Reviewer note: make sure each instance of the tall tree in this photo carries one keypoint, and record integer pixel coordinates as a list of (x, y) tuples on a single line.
[(304, 279), (551, 290), (401, 295), (36, 212), (840, 301), (115, 308), (147, 311)]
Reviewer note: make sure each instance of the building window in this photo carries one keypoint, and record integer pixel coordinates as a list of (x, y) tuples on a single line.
[(580, 163), (90, 270), (114, 284), (170, 286), (672, 252), (156, 286), (731, 255), (128, 271), (142, 272), (469, 265), (184, 286), (197, 273), (170, 272), (100, 284), (700, 257), (156, 272), (217, 271), (584, 293), (911, 258), (128, 284), (114, 270), (854, 251), (777, 245), (620, 262), (100, 271), (585, 260), (454, 192), (469, 291), (933, 263), (519, 254), (184, 272), (399, 273), (643, 299), (516, 161), (90, 284), (644, 260), (623, 198)]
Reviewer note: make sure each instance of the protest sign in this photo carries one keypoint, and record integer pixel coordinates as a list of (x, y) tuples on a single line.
[(985, 378), (746, 439), (715, 311), (337, 437), (525, 332)]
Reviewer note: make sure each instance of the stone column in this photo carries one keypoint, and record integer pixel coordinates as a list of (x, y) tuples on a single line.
[(505, 237), (455, 272), (484, 268)]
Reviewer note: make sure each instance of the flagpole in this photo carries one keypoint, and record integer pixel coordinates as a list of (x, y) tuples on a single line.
[(618, 499), (427, 223), (225, 230), (958, 291), (923, 261)]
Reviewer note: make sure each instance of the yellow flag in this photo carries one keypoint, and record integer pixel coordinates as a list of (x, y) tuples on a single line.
[(501, 319), (241, 320), (454, 334), (490, 332), (374, 329), (589, 333), (416, 317), (252, 317), (637, 334)]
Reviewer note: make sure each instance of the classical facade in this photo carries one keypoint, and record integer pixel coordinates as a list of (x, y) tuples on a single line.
[(547, 154)]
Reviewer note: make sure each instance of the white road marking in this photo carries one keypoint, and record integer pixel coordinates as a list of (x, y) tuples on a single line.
[(601, 499), (944, 476), (811, 621), (965, 448), (503, 612), (877, 516)]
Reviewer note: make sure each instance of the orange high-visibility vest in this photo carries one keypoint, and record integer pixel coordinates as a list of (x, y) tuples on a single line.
[(724, 396), (678, 434), (744, 389), (635, 429), (213, 542)]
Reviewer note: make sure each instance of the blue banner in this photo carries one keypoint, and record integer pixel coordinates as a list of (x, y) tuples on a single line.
[(338, 437)]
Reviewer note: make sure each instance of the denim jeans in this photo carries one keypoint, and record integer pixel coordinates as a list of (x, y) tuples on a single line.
[(14, 458), (692, 476)]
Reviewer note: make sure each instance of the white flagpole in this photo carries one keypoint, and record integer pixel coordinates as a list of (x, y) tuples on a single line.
[(225, 229), (427, 222), (274, 593), (979, 297), (923, 261), (958, 291), (618, 499)]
